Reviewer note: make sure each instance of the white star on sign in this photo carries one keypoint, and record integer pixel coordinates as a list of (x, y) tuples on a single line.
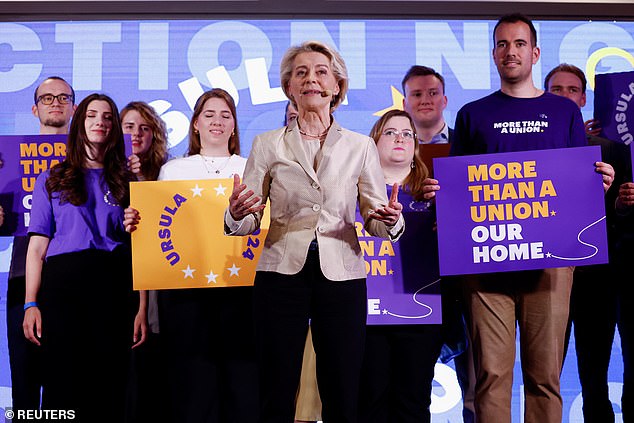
[(189, 272), (233, 270), (211, 277), (220, 190), (197, 191)]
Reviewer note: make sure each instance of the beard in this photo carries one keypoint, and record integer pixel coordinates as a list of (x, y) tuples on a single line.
[(55, 122)]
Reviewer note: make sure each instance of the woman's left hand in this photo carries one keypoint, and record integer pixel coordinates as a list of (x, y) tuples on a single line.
[(131, 219), (391, 213), (140, 329)]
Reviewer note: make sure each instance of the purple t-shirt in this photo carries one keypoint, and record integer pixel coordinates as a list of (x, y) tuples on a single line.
[(500, 123), (96, 224)]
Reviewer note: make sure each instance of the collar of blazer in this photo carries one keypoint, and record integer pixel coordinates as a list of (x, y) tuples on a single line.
[(294, 140)]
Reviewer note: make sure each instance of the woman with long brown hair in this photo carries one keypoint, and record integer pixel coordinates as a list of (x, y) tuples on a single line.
[(79, 304)]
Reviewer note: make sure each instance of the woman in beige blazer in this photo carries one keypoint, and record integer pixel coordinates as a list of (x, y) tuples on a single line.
[(313, 172)]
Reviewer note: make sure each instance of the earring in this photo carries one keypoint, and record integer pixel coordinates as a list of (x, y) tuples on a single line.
[(196, 131), (412, 165)]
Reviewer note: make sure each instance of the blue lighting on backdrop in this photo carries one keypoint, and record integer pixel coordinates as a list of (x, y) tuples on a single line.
[(170, 63)]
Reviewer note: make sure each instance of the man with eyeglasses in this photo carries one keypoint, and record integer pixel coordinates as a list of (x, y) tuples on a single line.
[(425, 101), (54, 105)]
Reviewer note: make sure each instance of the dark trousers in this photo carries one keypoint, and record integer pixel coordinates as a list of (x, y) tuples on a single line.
[(209, 350), (24, 357), (598, 305), (147, 386), (337, 309), (398, 370), (87, 307)]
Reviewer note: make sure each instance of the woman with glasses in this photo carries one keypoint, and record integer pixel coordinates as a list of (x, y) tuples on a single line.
[(398, 366), (313, 172), (79, 304)]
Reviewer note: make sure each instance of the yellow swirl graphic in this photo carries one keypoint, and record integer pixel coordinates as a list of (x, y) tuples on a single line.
[(595, 58)]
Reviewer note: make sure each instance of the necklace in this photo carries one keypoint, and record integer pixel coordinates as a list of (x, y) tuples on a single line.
[(208, 166), (323, 134), (109, 200)]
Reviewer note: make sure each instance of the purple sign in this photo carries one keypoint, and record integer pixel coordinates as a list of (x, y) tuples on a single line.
[(402, 277), (614, 105), (23, 158), (519, 211)]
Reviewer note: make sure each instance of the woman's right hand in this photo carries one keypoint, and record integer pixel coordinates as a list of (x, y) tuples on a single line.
[(134, 164), (242, 205), (32, 325), (131, 218)]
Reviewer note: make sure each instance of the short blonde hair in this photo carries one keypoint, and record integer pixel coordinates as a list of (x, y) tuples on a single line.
[(337, 65)]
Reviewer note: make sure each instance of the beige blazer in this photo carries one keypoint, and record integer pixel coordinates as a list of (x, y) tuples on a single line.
[(305, 203)]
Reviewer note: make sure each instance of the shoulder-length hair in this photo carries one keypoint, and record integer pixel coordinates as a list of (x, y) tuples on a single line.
[(337, 65), (413, 183), (156, 155), (67, 177), (194, 136)]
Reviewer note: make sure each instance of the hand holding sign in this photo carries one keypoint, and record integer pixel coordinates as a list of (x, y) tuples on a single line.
[(592, 127), (242, 205), (626, 197), (391, 213), (607, 172), (430, 186), (134, 166), (131, 218)]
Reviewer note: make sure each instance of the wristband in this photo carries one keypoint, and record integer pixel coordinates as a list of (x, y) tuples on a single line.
[(29, 305)]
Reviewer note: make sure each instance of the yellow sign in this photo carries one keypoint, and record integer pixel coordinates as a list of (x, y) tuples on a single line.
[(180, 241)]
